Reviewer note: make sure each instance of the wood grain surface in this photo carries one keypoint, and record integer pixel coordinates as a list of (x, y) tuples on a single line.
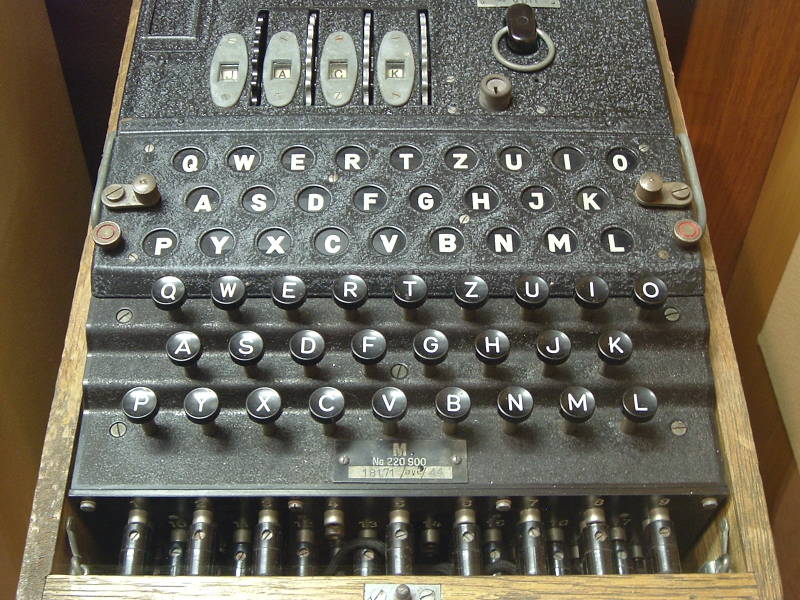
[(752, 548), (46, 514), (633, 587), (752, 545), (737, 79), (765, 253)]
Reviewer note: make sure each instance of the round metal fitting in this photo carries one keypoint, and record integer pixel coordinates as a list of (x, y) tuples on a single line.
[(531, 68), (107, 234)]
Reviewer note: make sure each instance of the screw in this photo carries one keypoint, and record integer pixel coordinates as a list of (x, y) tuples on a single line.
[(468, 536), (399, 371), (599, 502), (451, 79), (502, 504), (344, 460), (267, 534), (672, 314), (452, 110), (427, 594), (134, 535), (681, 192), (534, 532), (709, 503), (133, 257), (114, 193), (150, 148), (463, 219), (118, 429), (304, 552), (333, 177), (665, 532), (600, 536), (401, 534), (88, 505), (240, 556), (663, 254), (541, 110), (295, 505), (678, 428), (402, 592), (663, 501), (644, 148), (124, 315), (456, 460)]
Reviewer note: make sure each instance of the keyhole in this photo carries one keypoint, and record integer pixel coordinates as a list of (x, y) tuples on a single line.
[(496, 85)]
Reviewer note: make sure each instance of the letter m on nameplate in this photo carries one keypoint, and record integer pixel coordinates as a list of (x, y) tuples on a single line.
[(399, 449)]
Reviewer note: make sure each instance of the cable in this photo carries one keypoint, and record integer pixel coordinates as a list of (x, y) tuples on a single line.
[(694, 180), (502, 567), (337, 559), (102, 174)]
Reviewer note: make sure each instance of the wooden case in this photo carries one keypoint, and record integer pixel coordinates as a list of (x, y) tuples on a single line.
[(751, 548)]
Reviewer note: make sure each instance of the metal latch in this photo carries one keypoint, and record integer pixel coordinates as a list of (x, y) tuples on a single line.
[(140, 193), (403, 591)]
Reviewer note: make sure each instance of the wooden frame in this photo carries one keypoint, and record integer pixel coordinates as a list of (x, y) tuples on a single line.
[(752, 551)]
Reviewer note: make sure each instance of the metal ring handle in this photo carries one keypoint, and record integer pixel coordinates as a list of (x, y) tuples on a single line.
[(545, 62)]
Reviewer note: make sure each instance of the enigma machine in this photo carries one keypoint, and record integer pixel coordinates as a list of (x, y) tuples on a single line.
[(402, 288)]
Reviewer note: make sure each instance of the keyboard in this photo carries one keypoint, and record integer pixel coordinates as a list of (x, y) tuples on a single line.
[(402, 288)]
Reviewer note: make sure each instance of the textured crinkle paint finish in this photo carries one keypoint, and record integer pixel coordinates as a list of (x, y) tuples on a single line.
[(603, 92), (606, 74)]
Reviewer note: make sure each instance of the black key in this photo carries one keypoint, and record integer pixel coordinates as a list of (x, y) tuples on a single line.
[(350, 292), (576, 404), (140, 405), (471, 292), (389, 406), (326, 406), (228, 292), (307, 347), (410, 291), (264, 406), (246, 347), (168, 293), (452, 407), (514, 405), (639, 404), (614, 347), (289, 292), (430, 347), (368, 346), (184, 348), (553, 347), (531, 292), (492, 347), (201, 406), (650, 292), (592, 292)]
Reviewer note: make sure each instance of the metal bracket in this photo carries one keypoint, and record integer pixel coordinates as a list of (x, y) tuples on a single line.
[(721, 564), (76, 564), (653, 192), (143, 192), (404, 591)]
